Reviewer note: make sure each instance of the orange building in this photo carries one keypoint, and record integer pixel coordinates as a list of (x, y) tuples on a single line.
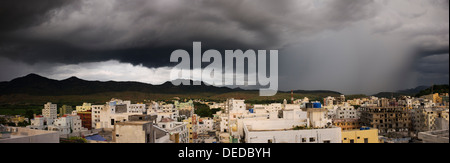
[(347, 124), (86, 119)]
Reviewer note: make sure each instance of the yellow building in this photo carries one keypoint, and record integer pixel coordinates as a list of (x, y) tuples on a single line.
[(192, 124), (360, 136), (434, 97), (84, 108), (17, 119)]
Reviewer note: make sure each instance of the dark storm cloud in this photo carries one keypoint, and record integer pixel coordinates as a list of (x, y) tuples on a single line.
[(16, 14), (139, 31), (434, 64)]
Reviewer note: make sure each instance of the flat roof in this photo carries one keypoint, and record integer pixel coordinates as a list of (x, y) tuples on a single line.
[(291, 129), (134, 123)]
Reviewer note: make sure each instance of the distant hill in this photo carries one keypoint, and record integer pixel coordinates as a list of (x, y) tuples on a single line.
[(434, 89), (316, 91), (391, 94), (34, 84), (413, 91), (418, 91), (34, 90)]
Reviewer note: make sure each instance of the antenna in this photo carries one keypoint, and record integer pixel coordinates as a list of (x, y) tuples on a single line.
[(292, 96), (432, 88)]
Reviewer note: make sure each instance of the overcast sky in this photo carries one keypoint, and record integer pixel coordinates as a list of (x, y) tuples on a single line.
[(363, 46)]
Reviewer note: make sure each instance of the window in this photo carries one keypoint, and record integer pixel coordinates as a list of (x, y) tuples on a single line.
[(303, 140), (366, 140), (269, 141), (312, 139), (352, 141), (326, 141)]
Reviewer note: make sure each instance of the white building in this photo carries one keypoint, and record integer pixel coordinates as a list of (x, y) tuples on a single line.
[(67, 124), (328, 101), (215, 105), (116, 111), (235, 107), (282, 131), (318, 117), (271, 109), (134, 132), (175, 128), (96, 109), (295, 114), (136, 108), (206, 125), (49, 114), (50, 111), (39, 123), (345, 111)]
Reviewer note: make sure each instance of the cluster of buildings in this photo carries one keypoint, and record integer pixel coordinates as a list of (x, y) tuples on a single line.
[(335, 120), (16, 120), (119, 121), (302, 121)]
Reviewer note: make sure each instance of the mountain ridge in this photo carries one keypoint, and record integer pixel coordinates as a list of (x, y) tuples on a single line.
[(34, 84)]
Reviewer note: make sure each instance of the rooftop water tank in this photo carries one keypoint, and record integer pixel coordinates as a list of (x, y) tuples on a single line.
[(317, 105)]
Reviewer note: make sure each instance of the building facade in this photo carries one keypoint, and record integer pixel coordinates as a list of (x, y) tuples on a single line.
[(387, 119), (281, 131), (86, 119), (360, 136), (50, 111)]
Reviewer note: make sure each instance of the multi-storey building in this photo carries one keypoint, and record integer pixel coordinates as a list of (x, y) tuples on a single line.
[(136, 108), (180, 130), (271, 109), (318, 117), (234, 109), (116, 111), (84, 108), (50, 111), (39, 122), (86, 119), (184, 105), (65, 109), (387, 119), (205, 125), (429, 119), (96, 109), (192, 125), (134, 132), (282, 131), (347, 124), (345, 111), (67, 124)]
